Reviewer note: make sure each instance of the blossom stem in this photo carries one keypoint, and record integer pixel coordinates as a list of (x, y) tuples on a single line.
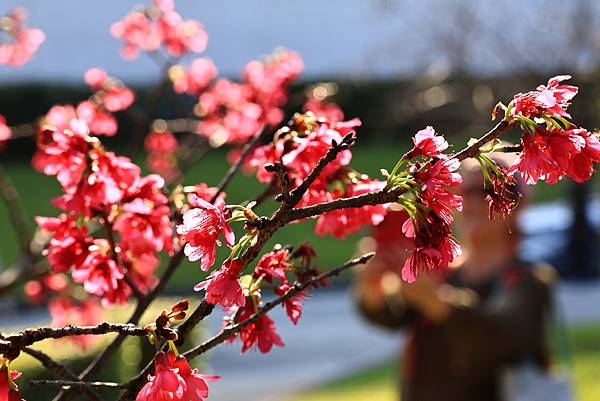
[(75, 383)]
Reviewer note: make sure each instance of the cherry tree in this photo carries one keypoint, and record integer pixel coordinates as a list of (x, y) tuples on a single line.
[(104, 247)]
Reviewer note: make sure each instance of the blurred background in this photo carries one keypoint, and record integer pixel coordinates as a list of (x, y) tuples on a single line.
[(398, 65)]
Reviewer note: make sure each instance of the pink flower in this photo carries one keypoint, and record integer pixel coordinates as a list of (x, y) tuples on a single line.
[(20, 43), (206, 193), (181, 36), (434, 182), (273, 265), (9, 391), (327, 110), (293, 305), (110, 93), (435, 246), (102, 276), (222, 286), (99, 121), (342, 222), (5, 131), (428, 144), (193, 80), (65, 311), (196, 383), (550, 100), (551, 155), (201, 228), (161, 142), (260, 334), (62, 152), (167, 384), (159, 25), (69, 245), (234, 112), (138, 32), (95, 78)]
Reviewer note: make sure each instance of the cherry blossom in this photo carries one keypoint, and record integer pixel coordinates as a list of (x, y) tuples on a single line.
[(428, 144), (21, 43), (222, 286), (273, 265), (261, 334), (159, 25), (547, 100), (196, 383), (9, 390), (201, 228), (167, 384), (195, 78), (65, 311), (552, 154), (5, 131), (234, 112)]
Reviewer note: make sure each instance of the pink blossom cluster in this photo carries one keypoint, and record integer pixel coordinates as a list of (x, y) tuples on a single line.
[(299, 149), (558, 148), (110, 96), (174, 380), (243, 300), (234, 112), (193, 80), (430, 221), (18, 44), (102, 188), (159, 26), (161, 147)]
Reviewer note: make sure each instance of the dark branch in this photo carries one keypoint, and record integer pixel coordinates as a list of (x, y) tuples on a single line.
[(75, 383), (30, 336), (492, 134)]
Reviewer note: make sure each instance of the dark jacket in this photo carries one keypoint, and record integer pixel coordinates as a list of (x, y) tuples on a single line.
[(491, 326)]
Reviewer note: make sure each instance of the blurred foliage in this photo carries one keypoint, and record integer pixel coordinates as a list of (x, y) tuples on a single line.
[(380, 383)]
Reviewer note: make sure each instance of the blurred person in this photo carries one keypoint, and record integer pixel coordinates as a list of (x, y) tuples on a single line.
[(466, 325)]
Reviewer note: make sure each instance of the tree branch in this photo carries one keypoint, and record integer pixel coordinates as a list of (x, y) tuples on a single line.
[(138, 381), (30, 336), (492, 134), (75, 383)]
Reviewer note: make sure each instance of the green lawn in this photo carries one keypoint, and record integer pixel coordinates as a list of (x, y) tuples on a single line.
[(380, 384), (37, 190)]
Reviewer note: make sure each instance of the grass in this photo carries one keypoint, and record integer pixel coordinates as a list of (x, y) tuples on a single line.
[(380, 383), (37, 191)]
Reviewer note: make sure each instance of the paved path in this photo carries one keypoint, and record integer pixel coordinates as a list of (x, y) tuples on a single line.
[(331, 341)]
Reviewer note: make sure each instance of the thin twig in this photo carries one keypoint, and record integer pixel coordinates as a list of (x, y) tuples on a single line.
[(75, 383), (17, 215), (59, 369), (492, 134), (238, 164)]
